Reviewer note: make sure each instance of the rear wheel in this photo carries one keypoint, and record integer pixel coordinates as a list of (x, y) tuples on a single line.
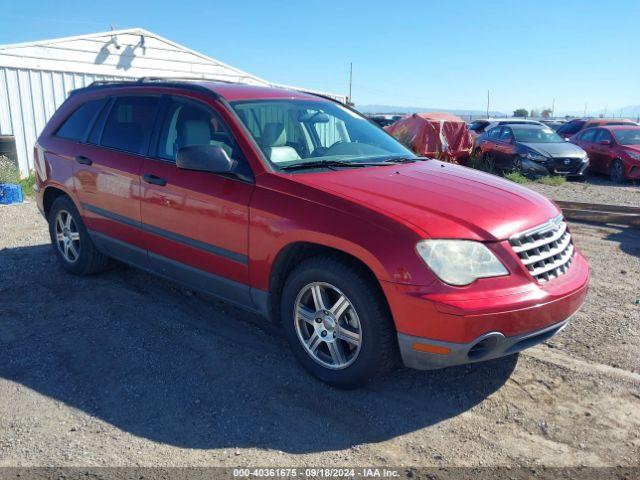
[(337, 322), (617, 172), (71, 242)]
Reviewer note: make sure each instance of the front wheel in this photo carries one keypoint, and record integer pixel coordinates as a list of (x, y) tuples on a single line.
[(617, 172), (337, 322), (516, 164)]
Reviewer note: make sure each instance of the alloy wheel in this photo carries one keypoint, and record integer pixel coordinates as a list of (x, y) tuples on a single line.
[(67, 236), (327, 325), (517, 164)]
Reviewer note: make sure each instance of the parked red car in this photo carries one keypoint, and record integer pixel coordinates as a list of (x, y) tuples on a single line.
[(612, 150), (578, 124), (298, 208)]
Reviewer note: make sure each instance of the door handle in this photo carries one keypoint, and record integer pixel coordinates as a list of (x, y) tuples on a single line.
[(155, 180), (83, 160)]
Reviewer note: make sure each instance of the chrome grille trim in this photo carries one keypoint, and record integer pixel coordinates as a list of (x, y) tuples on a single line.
[(546, 250)]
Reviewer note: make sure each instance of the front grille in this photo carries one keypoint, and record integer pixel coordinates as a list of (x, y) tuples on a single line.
[(546, 251), (566, 165)]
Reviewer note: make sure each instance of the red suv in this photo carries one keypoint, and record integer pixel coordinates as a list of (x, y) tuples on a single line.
[(578, 124), (613, 150), (298, 208)]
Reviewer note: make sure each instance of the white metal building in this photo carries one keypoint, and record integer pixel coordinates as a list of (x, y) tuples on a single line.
[(36, 77)]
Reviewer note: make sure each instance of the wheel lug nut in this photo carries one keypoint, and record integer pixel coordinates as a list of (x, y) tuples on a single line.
[(334, 334), (324, 333), (318, 320)]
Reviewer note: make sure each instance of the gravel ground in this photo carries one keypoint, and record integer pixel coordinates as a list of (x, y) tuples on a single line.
[(128, 369), (595, 189)]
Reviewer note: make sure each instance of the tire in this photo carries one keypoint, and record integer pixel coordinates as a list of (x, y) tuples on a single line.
[(516, 164), (337, 358), (80, 256), (616, 172)]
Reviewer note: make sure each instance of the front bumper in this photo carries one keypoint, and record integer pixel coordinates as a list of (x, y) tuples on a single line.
[(437, 329), (575, 167), (486, 347)]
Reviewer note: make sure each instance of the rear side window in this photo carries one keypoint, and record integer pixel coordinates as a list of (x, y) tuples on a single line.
[(588, 135), (506, 134), (77, 126), (130, 124), (571, 127)]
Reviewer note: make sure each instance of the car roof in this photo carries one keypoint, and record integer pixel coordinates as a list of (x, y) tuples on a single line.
[(618, 127), (226, 90), (530, 126)]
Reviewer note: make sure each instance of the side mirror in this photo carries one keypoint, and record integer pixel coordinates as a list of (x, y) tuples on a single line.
[(204, 158), (605, 142)]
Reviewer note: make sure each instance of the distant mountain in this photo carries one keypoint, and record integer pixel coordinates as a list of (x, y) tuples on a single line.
[(397, 109), (631, 112)]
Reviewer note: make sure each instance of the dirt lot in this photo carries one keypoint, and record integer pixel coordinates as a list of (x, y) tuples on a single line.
[(128, 369), (596, 189)]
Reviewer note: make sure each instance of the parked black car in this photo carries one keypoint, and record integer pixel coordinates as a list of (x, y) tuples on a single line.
[(532, 150), (384, 120)]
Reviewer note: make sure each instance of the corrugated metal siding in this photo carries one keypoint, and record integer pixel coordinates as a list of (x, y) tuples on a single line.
[(28, 98)]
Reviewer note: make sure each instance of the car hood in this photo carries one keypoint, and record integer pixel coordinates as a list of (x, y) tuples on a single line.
[(555, 150), (635, 148), (440, 199)]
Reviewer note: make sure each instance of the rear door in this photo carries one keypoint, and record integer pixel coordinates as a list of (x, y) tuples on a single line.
[(488, 142), (585, 141), (108, 174), (505, 148), (197, 222), (602, 155)]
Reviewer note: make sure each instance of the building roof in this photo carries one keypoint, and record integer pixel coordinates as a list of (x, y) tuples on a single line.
[(133, 52), (126, 54)]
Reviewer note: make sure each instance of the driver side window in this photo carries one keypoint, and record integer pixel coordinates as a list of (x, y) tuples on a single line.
[(188, 123)]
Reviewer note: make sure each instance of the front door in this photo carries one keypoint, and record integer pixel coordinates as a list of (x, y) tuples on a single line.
[(196, 222)]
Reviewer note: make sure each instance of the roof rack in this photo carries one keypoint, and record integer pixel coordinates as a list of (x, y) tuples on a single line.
[(160, 79)]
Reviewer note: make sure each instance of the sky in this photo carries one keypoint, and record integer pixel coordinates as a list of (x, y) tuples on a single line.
[(432, 53)]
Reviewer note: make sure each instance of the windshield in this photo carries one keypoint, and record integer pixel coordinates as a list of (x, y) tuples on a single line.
[(536, 135), (627, 137), (291, 132)]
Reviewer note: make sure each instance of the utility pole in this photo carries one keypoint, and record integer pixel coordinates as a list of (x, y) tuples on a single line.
[(349, 101), (585, 109), (553, 108), (605, 110), (487, 103)]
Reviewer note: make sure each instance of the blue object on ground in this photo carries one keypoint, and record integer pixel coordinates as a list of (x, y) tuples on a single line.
[(10, 193)]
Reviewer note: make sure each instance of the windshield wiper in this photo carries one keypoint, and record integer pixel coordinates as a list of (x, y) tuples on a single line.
[(405, 159), (325, 163)]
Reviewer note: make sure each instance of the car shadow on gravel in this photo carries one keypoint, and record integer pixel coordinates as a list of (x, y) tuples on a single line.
[(164, 364), (628, 238)]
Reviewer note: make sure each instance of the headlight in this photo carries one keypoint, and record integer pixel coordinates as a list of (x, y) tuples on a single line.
[(460, 262), (536, 157), (632, 154)]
